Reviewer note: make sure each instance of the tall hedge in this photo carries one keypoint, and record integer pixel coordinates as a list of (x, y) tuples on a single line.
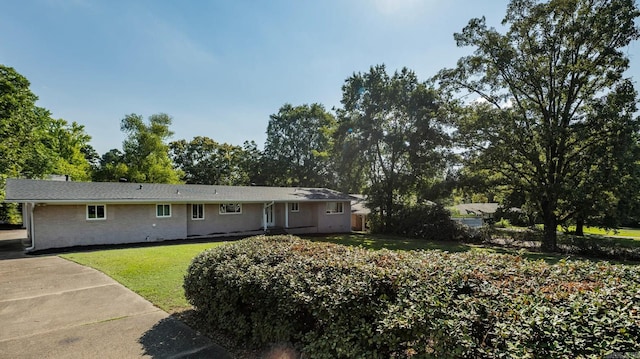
[(343, 302)]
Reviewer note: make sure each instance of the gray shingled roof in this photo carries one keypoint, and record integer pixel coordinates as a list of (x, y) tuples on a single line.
[(477, 208), (25, 190), (359, 205)]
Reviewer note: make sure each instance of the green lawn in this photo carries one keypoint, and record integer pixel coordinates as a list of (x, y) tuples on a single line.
[(622, 232), (156, 273), (374, 241)]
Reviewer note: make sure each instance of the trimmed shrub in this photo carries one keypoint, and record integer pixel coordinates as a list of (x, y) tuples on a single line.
[(599, 247), (425, 221), (334, 301)]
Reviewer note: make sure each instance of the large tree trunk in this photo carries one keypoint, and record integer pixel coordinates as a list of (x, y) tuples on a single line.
[(550, 239), (580, 226), (389, 213)]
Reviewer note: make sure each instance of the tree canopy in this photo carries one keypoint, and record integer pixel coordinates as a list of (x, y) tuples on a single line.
[(205, 161), (145, 151), (391, 130), (298, 147), (551, 95)]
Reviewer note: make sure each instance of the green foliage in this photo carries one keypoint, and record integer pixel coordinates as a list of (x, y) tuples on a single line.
[(425, 221), (502, 223), (298, 147), (205, 161), (145, 153), (69, 144), (344, 302), (111, 167), (391, 137), (554, 114), (32, 144), (19, 121)]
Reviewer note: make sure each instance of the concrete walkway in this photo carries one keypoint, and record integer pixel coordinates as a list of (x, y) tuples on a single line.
[(54, 308)]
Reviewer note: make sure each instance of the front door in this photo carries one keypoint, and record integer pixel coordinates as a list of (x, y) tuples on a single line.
[(268, 211)]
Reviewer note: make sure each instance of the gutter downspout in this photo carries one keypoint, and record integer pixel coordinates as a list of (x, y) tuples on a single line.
[(31, 231)]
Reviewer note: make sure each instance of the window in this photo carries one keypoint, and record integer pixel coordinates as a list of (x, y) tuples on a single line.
[(197, 211), (96, 211), (334, 207), (230, 208), (294, 207), (163, 210)]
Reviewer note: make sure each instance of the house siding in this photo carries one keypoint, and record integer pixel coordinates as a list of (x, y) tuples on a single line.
[(215, 223), (307, 215), (334, 222), (66, 225), (57, 226)]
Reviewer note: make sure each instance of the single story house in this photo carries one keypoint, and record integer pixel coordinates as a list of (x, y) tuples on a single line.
[(64, 213), (484, 210)]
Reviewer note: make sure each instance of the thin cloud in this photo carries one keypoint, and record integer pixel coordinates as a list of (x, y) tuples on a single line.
[(403, 7), (175, 46), (66, 4)]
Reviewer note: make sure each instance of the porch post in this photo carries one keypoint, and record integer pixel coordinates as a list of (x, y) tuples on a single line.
[(286, 215), (362, 216), (264, 216)]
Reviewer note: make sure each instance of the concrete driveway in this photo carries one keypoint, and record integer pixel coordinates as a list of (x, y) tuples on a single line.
[(54, 308)]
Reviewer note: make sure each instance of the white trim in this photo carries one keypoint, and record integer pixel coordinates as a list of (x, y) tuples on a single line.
[(201, 213), (96, 209), (164, 215), (297, 207), (32, 231), (226, 204)]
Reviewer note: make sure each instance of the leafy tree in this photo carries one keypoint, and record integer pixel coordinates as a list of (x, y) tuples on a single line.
[(21, 127), (537, 121), (205, 161), (69, 144), (298, 147), (111, 167), (392, 127), (32, 143), (145, 152), (252, 163), (595, 194)]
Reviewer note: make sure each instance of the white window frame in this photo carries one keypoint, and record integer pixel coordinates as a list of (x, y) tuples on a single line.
[(226, 206), (164, 215), (294, 207), (199, 213), (104, 210), (335, 208)]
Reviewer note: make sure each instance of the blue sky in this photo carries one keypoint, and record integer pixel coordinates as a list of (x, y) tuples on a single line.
[(220, 68)]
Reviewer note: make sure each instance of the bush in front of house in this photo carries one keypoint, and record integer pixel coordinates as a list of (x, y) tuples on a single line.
[(335, 301), (425, 221)]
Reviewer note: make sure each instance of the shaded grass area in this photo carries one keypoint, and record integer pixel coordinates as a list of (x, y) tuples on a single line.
[(377, 241), (154, 272)]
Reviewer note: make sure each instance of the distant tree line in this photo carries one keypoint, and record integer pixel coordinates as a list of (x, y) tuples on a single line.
[(539, 117)]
